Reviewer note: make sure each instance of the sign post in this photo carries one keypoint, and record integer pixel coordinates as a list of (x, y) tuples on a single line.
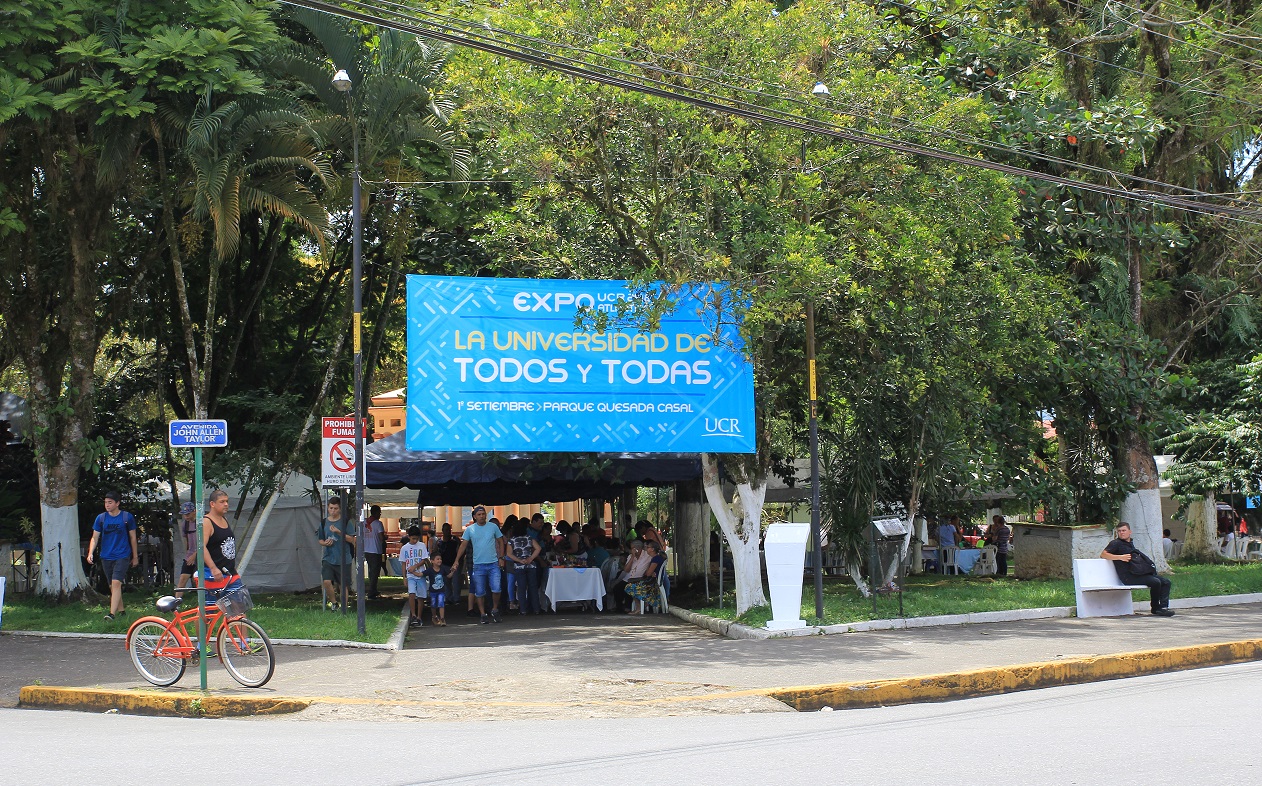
[(198, 434), (340, 467)]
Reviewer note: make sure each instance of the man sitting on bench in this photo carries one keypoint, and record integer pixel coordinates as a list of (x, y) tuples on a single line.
[(1135, 568)]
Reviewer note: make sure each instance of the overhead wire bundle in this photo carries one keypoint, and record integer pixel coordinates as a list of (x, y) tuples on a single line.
[(720, 96)]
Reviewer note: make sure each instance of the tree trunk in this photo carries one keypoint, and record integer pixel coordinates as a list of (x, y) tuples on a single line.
[(855, 569), (1142, 507), (741, 522), (691, 531), (1200, 540)]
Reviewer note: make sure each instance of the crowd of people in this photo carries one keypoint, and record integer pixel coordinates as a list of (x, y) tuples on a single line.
[(505, 564), (951, 534)]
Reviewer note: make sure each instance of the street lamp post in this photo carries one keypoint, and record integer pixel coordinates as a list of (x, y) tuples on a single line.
[(820, 89), (342, 83)]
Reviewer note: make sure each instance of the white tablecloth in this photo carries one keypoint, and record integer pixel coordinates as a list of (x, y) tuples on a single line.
[(575, 584)]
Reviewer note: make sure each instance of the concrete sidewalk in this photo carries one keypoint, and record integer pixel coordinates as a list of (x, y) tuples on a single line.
[(585, 665)]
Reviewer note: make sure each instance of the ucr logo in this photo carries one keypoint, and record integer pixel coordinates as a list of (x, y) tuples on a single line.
[(722, 427)]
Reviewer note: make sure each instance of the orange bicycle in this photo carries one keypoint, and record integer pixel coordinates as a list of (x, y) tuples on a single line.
[(161, 649)]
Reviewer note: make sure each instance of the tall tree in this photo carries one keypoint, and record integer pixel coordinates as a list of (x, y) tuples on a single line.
[(78, 80)]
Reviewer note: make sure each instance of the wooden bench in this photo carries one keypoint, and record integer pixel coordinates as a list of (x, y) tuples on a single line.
[(1098, 590)]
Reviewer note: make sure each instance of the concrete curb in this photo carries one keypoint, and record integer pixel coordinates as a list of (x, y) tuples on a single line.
[(187, 705), (1009, 679), (736, 630)]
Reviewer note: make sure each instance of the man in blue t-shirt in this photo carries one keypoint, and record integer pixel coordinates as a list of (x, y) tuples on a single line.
[(115, 530), (488, 561)]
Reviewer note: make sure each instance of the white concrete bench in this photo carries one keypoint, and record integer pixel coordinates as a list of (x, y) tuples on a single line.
[(1098, 590)]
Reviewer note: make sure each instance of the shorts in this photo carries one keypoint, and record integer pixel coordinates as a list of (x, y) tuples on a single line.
[(331, 572), (418, 586), (437, 600), (483, 575), (116, 569), (188, 570)]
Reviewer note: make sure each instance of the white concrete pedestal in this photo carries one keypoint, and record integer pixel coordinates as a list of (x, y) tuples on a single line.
[(785, 550)]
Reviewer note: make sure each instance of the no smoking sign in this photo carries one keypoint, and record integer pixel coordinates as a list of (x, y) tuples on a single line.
[(338, 455)]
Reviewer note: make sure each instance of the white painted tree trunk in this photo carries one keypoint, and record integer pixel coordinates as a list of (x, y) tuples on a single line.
[(1200, 540), (741, 522), (1142, 510), (855, 570), (61, 571)]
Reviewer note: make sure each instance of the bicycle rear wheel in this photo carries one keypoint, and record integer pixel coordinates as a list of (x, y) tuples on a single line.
[(148, 640), (246, 652)]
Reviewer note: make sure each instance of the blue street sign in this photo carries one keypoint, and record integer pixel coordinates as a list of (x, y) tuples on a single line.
[(198, 434)]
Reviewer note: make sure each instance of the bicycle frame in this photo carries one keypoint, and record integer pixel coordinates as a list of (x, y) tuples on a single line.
[(183, 645)]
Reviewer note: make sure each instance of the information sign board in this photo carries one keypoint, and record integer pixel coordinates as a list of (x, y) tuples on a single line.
[(498, 364), (338, 456), (198, 433)]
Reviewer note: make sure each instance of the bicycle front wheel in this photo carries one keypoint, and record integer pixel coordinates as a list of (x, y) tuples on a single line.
[(246, 652), (148, 641)]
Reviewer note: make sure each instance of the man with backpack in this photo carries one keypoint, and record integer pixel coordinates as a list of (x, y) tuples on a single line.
[(115, 530), (1136, 568)]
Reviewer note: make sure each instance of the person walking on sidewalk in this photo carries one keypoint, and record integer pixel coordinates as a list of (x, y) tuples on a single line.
[(1136, 568), (488, 561), (374, 548), (115, 530), (413, 557)]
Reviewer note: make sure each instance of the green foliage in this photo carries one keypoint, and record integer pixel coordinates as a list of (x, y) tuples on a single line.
[(1222, 449)]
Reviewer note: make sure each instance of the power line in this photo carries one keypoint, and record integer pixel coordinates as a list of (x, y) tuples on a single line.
[(753, 113), (1197, 22), (1088, 58), (477, 30)]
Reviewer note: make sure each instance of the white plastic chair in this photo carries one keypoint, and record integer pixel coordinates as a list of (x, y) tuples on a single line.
[(948, 560), (986, 564)]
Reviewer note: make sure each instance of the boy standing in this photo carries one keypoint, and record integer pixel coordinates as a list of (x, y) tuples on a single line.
[(437, 590), (413, 556)]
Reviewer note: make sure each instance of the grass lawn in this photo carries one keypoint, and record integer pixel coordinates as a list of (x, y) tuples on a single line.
[(930, 595), (283, 615)]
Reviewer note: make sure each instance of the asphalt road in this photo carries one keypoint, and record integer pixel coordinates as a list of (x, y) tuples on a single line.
[(1189, 727)]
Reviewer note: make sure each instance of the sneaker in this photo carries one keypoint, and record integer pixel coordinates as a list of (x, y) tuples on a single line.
[(1163, 613), (414, 623), (486, 619), (495, 615), (109, 617)]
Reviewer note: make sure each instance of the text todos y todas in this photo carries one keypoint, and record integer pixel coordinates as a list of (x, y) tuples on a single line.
[(554, 370)]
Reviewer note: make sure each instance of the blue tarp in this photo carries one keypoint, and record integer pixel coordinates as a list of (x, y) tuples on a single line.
[(462, 478)]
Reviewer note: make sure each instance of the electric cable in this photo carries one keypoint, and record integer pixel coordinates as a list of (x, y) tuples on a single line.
[(755, 114)]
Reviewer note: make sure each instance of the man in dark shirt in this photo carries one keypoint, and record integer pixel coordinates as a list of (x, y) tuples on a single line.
[(1135, 568), (449, 546)]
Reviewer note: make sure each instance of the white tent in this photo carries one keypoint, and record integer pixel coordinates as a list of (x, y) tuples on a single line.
[(286, 557)]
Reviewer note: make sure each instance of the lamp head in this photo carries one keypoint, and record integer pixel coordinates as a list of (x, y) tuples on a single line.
[(820, 89), (342, 81)]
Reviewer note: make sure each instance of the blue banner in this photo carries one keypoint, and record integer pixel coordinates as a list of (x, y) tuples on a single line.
[(497, 364)]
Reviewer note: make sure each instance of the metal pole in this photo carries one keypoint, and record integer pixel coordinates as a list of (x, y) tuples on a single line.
[(815, 529), (357, 273), (201, 564), (875, 558)]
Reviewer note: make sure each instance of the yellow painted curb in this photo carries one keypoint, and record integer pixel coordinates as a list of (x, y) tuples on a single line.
[(1009, 679), (136, 702)]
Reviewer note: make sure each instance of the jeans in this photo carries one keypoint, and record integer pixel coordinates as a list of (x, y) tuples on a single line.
[(1002, 561), (453, 586), (484, 575), (527, 577), (374, 572), (510, 585), (1158, 589)]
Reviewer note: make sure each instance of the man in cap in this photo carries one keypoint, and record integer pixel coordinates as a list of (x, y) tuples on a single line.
[(188, 528), (115, 530), (488, 562)]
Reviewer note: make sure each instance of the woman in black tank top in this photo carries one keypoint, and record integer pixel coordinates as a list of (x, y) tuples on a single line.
[(221, 544)]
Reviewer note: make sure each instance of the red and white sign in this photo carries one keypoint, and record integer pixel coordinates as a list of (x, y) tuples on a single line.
[(338, 457)]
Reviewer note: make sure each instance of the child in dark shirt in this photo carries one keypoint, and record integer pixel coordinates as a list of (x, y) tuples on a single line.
[(437, 589)]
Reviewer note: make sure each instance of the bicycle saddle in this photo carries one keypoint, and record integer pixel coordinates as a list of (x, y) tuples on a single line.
[(168, 603)]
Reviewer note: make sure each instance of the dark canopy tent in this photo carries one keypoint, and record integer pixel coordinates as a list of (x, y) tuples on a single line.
[(465, 478)]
